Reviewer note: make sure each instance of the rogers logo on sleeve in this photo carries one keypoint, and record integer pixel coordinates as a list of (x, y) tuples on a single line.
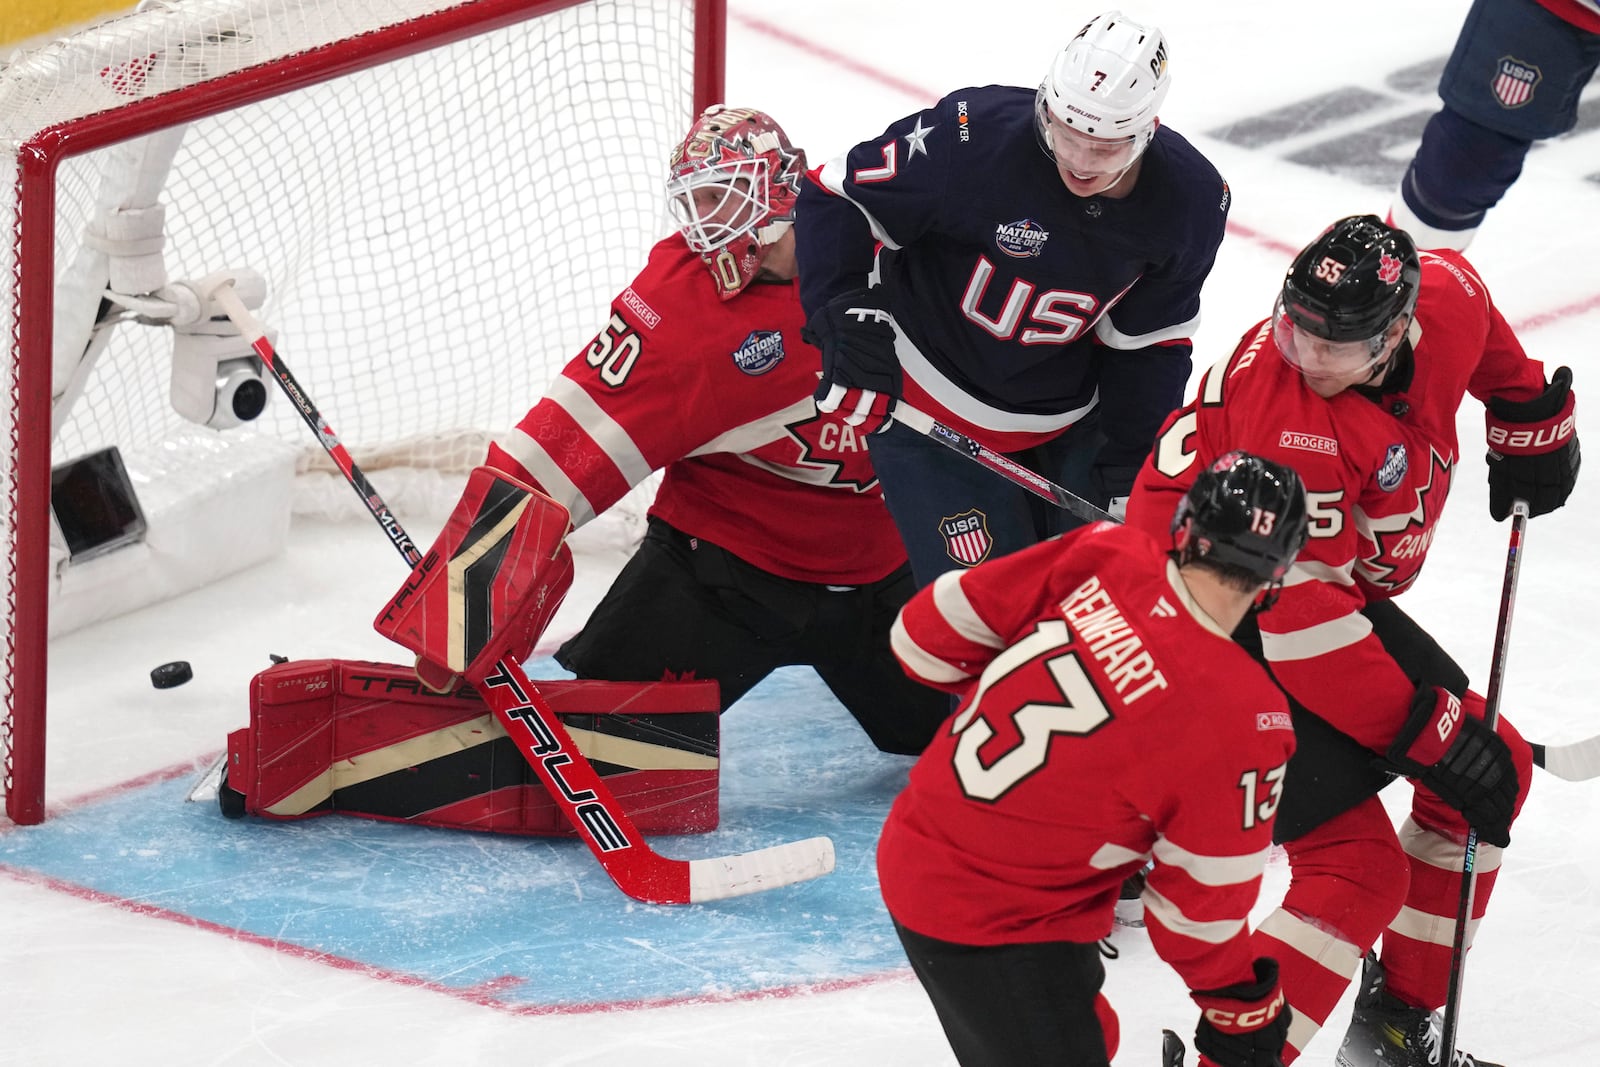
[(635, 303)]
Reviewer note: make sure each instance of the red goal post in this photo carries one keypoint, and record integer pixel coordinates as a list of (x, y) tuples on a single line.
[(441, 198)]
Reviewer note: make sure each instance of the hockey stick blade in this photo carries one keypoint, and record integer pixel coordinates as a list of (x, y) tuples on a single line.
[(637, 869), (1577, 762), (1003, 465)]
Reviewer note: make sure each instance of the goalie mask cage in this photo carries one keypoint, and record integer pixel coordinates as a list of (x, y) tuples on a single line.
[(442, 199)]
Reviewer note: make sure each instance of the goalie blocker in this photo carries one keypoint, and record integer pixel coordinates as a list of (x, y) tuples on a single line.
[(489, 585), (368, 739)]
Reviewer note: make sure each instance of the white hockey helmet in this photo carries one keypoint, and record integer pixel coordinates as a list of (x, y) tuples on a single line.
[(1108, 83)]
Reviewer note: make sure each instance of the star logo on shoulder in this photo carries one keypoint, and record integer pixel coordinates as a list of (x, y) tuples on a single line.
[(915, 139)]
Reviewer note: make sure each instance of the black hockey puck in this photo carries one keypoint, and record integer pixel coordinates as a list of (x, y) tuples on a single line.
[(170, 674)]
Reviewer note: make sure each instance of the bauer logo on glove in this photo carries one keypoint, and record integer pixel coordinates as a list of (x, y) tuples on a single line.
[(1533, 448)]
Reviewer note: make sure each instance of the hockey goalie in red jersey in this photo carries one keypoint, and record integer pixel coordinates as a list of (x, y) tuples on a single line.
[(1356, 380), (1106, 720), (768, 543)]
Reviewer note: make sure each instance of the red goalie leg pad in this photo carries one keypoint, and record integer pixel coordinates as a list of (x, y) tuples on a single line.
[(490, 583), (368, 739)]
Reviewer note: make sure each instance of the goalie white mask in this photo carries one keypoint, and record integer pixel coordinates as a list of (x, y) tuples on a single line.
[(733, 184), (1103, 91)]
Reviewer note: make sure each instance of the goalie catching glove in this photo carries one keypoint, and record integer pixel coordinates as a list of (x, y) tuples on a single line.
[(488, 586), (1533, 449)]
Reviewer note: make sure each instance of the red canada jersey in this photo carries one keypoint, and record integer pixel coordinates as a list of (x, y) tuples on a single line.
[(1105, 720), (719, 393), (1376, 471)]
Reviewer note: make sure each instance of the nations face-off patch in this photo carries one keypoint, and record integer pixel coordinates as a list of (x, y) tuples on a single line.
[(760, 352)]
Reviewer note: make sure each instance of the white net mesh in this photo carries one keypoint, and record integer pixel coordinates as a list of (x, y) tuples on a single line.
[(439, 234)]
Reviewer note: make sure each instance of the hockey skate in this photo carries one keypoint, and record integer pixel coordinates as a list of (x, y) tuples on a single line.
[(1387, 1032), (1130, 905)]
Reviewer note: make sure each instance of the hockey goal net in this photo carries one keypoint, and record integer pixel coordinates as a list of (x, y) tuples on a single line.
[(441, 199)]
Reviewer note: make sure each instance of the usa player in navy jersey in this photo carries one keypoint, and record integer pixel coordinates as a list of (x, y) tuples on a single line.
[(1025, 266), (1514, 78)]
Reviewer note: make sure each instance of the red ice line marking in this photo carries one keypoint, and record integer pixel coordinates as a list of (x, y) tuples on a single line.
[(925, 97), (483, 994)]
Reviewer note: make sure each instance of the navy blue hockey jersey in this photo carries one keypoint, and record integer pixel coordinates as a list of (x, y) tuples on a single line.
[(1024, 305)]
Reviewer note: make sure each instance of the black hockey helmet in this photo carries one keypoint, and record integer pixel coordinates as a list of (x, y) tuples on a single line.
[(1243, 512), (1354, 281)]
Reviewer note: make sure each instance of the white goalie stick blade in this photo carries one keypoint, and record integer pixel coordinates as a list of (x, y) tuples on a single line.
[(766, 868), (1577, 762), (582, 796), (205, 789)]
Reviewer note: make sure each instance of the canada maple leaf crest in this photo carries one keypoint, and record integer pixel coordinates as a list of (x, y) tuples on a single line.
[(1398, 540), (1388, 268), (831, 453)]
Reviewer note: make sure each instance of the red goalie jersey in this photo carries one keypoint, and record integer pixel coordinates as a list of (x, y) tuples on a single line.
[(719, 393), (1376, 469), (1106, 719)]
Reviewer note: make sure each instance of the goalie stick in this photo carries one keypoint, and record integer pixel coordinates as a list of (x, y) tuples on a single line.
[(636, 868)]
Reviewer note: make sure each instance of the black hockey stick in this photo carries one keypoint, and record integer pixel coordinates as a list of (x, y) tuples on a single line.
[(1491, 713), (638, 870), (1003, 465)]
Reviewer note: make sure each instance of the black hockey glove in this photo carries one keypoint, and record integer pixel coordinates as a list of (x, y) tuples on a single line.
[(1454, 754), (860, 370), (1244, 1025), (1533, 449)]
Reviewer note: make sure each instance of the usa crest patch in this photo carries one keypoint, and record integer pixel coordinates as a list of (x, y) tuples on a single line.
[(1514, 81), (966, 537)]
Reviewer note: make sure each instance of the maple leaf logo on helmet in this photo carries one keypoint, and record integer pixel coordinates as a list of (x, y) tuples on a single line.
[(1388, 269)]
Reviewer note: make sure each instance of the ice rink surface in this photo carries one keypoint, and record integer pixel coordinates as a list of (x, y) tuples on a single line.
[(1310, 113)]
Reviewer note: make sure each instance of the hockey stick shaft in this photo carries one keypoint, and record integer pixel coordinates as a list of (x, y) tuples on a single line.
[(1491, 714), (1003, 465), (574, 784), (229, 301)]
